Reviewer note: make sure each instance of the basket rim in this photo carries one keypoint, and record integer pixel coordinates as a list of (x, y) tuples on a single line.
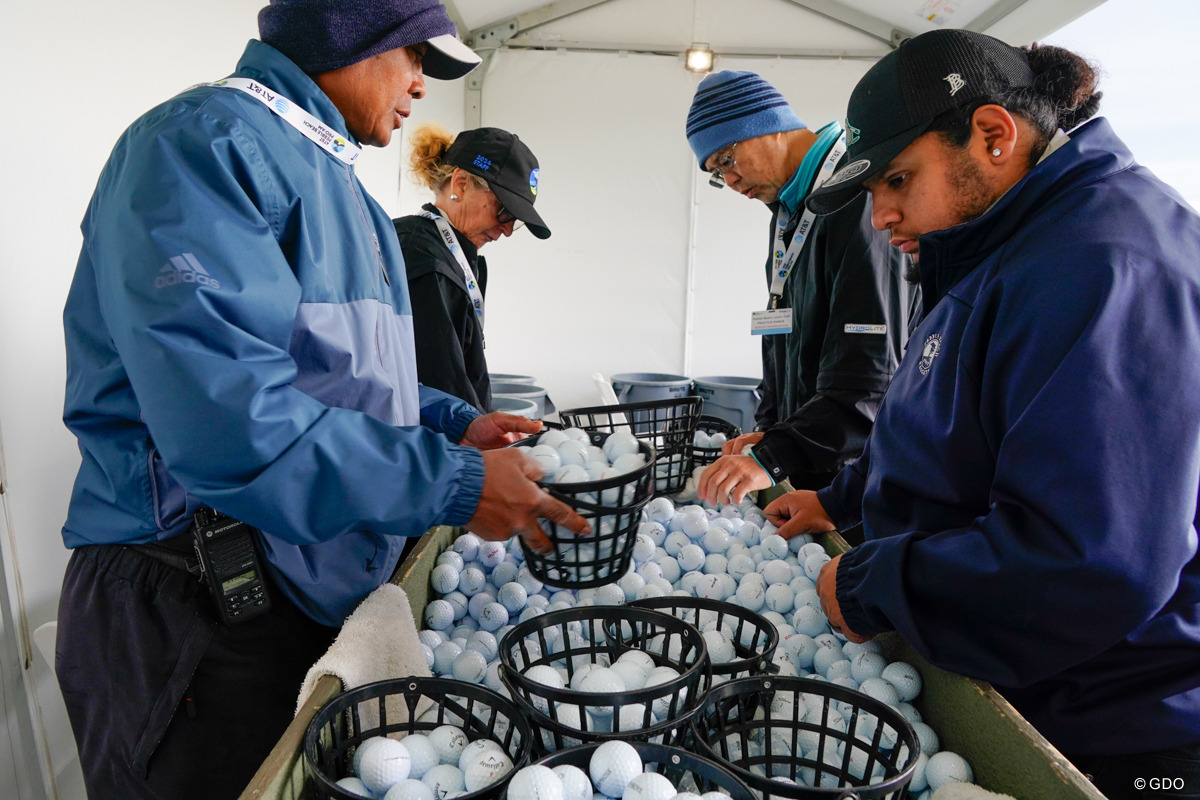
[(766, 683), (730, 609), (649, 752), (696, 676), (437, 687)]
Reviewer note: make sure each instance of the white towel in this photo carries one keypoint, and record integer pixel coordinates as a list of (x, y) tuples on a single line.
[(378, 641), (967, 791)]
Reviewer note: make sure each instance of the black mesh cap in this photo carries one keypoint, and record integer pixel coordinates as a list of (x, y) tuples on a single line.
[(899, 98)]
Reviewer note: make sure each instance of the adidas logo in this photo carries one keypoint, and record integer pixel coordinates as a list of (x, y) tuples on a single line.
[(184, 269)]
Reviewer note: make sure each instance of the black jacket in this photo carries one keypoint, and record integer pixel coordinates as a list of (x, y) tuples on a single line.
[(449, 338), (822, 384)]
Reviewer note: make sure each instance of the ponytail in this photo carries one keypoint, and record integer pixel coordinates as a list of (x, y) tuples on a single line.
[(1063, 95)]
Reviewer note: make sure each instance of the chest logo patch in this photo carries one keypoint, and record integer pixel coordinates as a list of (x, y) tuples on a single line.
[(933, 346)]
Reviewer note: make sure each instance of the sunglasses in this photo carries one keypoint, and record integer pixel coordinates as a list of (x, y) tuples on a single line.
[(504, 216)]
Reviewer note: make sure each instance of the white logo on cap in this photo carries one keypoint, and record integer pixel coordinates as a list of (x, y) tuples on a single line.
[(849, 171), (956, 82)]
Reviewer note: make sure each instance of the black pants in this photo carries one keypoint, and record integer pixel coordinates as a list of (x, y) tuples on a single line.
[(1173, 774), (166, 703)]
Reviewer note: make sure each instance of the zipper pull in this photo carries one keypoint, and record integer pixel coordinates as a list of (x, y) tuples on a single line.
[(379, 260)]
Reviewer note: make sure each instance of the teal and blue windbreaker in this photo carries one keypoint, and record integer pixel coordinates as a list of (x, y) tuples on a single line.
[(239, 335)]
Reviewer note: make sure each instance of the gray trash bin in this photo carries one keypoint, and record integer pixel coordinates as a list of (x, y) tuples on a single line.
[(523, 391), (731, 398), (644, 387)]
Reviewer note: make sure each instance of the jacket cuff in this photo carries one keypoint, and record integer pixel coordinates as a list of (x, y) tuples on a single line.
[(775, 459), (464, 496), (765, 469), (852, 570), (459, 421)]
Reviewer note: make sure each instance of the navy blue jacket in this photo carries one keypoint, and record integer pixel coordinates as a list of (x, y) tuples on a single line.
[(1029, 491)]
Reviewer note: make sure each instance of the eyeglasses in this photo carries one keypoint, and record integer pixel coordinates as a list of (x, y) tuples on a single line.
[(724, 163), (504, 216)]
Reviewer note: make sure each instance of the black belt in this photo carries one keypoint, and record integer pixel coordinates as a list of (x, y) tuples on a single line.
[(177, 552)]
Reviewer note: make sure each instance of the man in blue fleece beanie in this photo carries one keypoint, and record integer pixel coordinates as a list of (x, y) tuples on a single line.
[(835, 322)]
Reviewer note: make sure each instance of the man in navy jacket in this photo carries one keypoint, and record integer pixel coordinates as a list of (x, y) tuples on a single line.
[(1029, 492)]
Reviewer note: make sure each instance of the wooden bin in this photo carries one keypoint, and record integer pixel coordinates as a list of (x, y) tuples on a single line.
[(969, 716)]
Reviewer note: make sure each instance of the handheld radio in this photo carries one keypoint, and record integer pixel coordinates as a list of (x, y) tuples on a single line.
[(230, 565)]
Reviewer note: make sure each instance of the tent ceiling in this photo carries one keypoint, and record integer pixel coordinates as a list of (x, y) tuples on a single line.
[(784, 28)]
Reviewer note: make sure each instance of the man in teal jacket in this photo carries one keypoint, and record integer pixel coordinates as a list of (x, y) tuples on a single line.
[(239, 337)]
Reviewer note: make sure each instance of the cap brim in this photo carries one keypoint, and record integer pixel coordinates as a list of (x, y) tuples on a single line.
[(522, 209), (846, 183), (447, 58)]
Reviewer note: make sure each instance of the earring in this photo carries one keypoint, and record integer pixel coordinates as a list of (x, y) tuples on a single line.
[(996, 152), (455, 197)]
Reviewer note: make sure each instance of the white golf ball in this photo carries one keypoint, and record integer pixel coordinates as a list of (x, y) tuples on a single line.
[(384, 765), (552, 437), (439, 615), (467, 546), (421, 753), (485, 767), (618, 444), (905, 678), (577, 434), (947, 767), (573, 453), (490, 554), (469, 666), (535, 782), (448, 741), (409, 789), (612, 766), (444, 578), (575, 782), (354, 786), (649, 786), (444, 779)]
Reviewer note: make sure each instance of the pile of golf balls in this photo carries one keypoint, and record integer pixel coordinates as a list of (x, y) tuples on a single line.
[(729, 553), (568, 456), (439, 765), (615, 770)]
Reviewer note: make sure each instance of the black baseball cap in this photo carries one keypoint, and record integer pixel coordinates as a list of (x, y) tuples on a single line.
[(900, 97), (508, 166)]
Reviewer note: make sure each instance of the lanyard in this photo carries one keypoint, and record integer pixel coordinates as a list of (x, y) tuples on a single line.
[(450, 239), (321, 134), (785, 260)]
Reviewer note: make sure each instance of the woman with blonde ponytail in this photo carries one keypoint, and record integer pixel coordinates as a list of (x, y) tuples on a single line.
[(484, 184)]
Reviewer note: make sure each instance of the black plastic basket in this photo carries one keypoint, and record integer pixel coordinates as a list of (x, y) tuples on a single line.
[(613, 507), (703, 456), (754, 638), (424, 704), (667, 425), (688, 771), (736, 728), (595, 634)]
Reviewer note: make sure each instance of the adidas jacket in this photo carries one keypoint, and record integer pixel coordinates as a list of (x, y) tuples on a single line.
[(239, 335), (1029, 490)]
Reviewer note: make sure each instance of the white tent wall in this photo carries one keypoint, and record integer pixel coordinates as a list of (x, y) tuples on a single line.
[(625, 284)]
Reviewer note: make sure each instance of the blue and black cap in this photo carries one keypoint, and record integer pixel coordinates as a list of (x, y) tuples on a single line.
[(508, 166), (900, 97)]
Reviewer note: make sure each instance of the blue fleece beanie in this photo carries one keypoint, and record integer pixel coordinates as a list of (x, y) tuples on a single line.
[(323, 35), (732, 106)]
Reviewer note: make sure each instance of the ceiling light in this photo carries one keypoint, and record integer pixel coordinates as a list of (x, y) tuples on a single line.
[(699, 58)]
